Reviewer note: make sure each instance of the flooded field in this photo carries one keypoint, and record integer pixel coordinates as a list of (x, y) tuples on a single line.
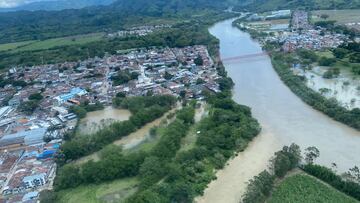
[(345, 88), (134, 139), (98, 119)]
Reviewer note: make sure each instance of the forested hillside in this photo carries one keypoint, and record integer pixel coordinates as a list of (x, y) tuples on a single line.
[(56, 5), (25, 25)]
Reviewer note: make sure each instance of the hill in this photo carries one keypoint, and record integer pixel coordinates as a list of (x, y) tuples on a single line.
[(266, 5), (56, 5), (39, 25)]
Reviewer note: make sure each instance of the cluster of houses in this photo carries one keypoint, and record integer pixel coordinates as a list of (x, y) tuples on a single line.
[(315, 39), (270, 16), (300, 20), (138, 31), (29, 142), (170, 71), (25, 171), (303, 35)]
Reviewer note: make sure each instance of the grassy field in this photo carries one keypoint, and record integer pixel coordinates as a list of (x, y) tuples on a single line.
[(10, 46), (302, 188), (115, 191), (51, 43), (341, 16)]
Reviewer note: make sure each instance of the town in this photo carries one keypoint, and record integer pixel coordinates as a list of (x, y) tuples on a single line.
[(300, 35), (138, 31), (38, 104)]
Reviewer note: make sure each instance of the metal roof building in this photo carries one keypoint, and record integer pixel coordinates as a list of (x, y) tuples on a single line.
[(30, 137)]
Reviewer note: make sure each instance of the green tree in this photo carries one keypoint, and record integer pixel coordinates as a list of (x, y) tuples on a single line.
[(311, 153), (324, 61), (198, 61), (151, 171), (36, 96), (340, 52), (29, 107)]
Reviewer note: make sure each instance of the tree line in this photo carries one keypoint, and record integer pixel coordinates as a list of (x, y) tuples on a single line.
[(260, 187), (144, 110), (228, 129), (114, 163), (329, 106)]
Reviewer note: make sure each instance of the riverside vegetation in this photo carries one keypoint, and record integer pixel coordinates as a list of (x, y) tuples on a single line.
[(329, 106), (300, 187), (282, 62), (165, 174), (143, 109)]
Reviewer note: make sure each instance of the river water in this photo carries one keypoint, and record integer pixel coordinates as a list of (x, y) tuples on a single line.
[(283, 116)]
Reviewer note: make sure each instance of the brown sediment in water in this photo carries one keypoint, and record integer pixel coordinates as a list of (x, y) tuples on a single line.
[(131, 140), (232, 181), (96, 119)]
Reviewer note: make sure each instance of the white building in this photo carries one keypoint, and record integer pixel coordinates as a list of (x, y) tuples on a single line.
[(34, 180)]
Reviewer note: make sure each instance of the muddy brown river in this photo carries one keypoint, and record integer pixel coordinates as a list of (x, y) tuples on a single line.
[(283, 116)]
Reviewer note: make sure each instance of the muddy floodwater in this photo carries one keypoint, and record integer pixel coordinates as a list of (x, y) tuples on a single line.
[(345, 88), (283, 116), (97, 119)]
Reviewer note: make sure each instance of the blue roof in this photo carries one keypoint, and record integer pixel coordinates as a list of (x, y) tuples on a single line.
[(73, 92)]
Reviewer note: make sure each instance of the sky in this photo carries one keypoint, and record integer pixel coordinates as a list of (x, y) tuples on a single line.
[(14, 3)]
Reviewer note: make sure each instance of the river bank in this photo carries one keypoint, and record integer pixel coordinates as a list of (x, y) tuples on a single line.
[(282, 62), (283, 116)]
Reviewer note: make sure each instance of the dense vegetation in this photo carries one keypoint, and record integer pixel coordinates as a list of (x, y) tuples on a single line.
[(303, 188), (228, 128), (348, 187), (164, 173), (39, 25), (260, 186), (329, 106), (115, 164), (144, 109), (180, 35), (56, 5)]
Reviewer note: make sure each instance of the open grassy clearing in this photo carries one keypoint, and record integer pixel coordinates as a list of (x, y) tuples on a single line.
[(114, 191), (326, 53), (51, 43), (343, 64), (189, 140), (63, 41), (341, 16), (302, 188), (10, 46)]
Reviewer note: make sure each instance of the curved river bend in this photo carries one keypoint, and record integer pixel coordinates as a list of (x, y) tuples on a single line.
[(283, 116)]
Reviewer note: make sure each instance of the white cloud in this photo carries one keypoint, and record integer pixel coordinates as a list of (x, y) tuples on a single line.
[(14, 3)]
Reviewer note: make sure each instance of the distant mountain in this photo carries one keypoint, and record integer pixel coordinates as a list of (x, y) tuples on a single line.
[(35, 25), (57, 5)]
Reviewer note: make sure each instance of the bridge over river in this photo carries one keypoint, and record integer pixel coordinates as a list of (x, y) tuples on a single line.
[(283, 116)]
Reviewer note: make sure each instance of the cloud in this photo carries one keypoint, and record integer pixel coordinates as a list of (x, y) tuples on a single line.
[(14, 3)]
